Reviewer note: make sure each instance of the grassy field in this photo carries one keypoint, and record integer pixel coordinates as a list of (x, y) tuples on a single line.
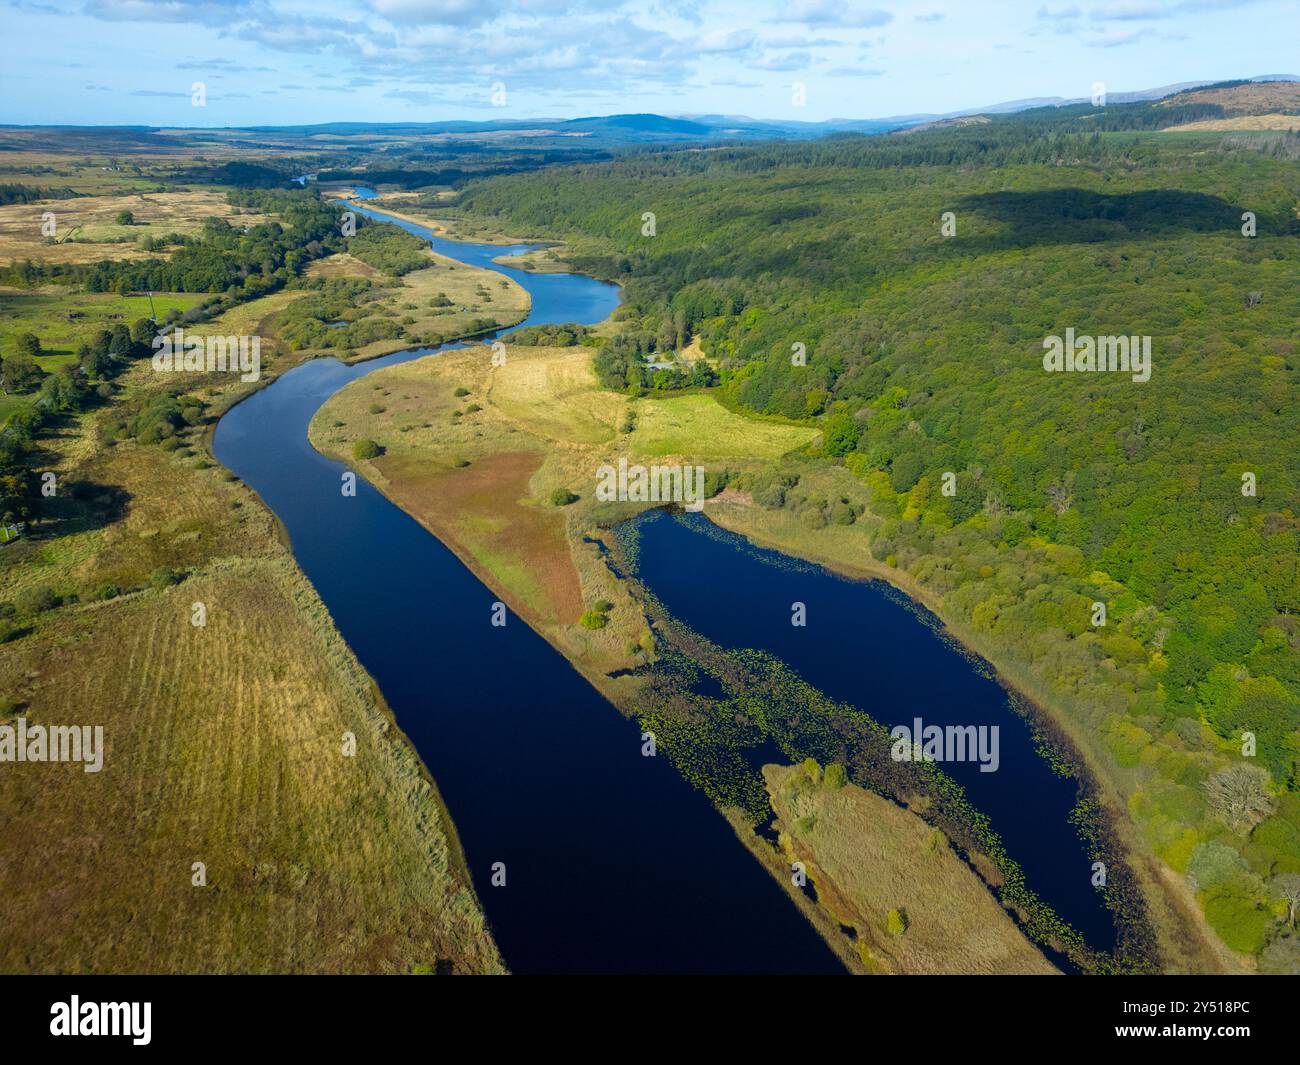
[(440, 302), (65, 320), (87, 229), (867, 857), (479, 469), (222, 751), (224, 742)]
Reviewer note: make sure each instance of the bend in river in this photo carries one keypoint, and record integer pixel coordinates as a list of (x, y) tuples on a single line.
[(614, 863)]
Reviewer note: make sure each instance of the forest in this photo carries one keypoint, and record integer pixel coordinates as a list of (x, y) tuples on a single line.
[(896, 292)]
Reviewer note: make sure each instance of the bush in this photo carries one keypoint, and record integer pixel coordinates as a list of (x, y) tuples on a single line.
[(366, 449), (895, 922), (593, 619), (562, 497), (32, 601), (105, 592), (164, 577), (836, 775), (376, 408), (461, 392)]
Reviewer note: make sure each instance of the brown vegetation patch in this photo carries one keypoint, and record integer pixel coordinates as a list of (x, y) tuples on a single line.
[(477, 510)]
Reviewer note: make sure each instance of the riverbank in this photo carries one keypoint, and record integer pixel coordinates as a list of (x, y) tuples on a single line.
[(190, 634), (1187, 942), (476, 453)]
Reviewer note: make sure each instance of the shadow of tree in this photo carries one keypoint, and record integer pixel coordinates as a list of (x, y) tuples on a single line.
[(80, 506), (1081, 216)]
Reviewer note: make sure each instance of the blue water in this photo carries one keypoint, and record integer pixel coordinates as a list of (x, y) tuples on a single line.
[(864, 645), (613, 863)]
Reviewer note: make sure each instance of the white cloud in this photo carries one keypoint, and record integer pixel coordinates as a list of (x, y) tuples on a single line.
[(833, 13)]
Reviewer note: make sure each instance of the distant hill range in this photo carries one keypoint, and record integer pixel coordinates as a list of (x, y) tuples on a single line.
[(1263, 102)]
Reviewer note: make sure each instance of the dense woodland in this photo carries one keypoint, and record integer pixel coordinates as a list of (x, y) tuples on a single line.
[(924, 358)]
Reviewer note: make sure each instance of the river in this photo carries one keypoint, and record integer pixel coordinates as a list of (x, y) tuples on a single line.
[(614, 864)]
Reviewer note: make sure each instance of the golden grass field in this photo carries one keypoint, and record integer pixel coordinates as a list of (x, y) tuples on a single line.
[(222, 750), (1238, 122), (86, 229), (867, 856)]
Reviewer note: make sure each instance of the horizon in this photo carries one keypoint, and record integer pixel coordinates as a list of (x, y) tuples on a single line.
[(280, 63)]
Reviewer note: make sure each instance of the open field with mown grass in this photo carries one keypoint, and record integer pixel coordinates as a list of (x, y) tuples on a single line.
[(64, 320), (867, 857)]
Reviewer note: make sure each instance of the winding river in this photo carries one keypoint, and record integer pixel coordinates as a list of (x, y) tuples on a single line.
[(614, 863)]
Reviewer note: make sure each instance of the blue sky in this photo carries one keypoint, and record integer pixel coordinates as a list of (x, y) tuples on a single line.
[(300, 61)]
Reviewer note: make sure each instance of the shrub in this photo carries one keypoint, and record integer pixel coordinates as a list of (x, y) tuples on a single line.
[(376, 408), (814, 771), (1239, 920), (461, 392), (164, 577), (593, 619), (895, 922), (105, 592), (366, 449), (836, 775), (562, 497), (32, 601)]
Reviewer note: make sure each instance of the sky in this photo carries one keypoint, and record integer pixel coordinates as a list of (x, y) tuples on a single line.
[(288, 62)]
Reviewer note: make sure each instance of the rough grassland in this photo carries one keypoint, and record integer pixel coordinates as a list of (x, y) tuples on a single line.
[(87, 230), (867, 856), (475, 296), (221, 750), (543, 424), (224, 742)]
